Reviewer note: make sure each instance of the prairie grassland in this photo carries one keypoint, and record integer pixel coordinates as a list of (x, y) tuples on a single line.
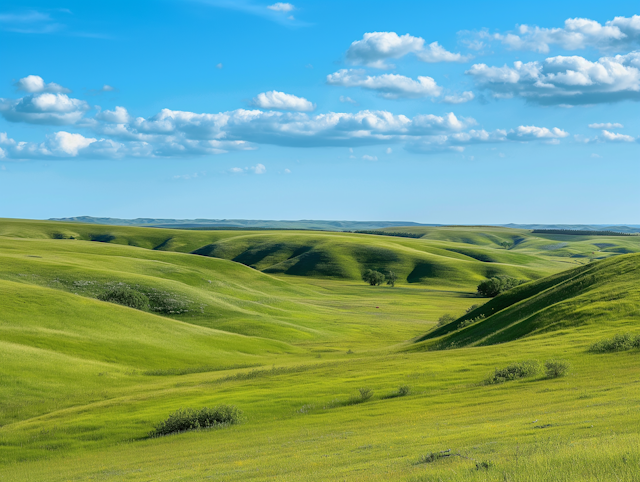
[(84, 382)]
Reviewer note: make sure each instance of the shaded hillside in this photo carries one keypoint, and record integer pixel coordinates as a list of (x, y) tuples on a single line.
[(603, 293)]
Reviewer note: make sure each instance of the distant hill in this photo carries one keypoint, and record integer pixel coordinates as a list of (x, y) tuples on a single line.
[(242, 223), (318, 225)]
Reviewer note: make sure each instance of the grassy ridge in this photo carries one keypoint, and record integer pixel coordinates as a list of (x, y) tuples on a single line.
[(600, 293)]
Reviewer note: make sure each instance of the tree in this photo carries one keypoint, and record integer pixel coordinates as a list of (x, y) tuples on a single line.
[(374, 278), (391, 278), (498, 284), (505, 244)]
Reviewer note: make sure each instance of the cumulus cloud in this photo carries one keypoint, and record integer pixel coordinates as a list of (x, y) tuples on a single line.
[(257, 169), (117, 116), (367, 157), (459, 98), (344, 98), (606, 125), (577, 33), (565, 80), (613, 136), (281, 7), (34, 83), (281, 101), (376, 48), (390, 86), (43, 108), (532, 133)]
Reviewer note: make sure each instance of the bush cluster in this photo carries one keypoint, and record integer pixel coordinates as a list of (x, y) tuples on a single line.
[(618, 342), (126, 296), (514, 371), (498, 284), (556, 368), (446, 319), (190, 419)]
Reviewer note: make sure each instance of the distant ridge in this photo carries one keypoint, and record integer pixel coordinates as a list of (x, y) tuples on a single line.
[(243, 223), (321, 225)]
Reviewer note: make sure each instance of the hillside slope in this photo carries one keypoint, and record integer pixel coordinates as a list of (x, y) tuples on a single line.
[(604, 293)]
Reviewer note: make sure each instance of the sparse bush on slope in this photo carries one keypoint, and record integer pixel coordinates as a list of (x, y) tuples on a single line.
[(556, 368), (126, 296), (374, 278), (190, 419), (498, 284), (514, 371), (618, 342)]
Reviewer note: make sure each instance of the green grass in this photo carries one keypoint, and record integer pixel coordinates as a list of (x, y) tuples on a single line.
[(83, 382)]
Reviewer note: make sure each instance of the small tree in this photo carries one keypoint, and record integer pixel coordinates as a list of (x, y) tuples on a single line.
[(496, 285), (374, 278), (391, 278), (446, 319)]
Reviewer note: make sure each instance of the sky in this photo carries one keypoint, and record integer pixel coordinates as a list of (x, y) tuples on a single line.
[(453, 112)]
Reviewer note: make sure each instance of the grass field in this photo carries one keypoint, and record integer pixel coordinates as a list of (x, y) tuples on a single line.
[(279, 324)]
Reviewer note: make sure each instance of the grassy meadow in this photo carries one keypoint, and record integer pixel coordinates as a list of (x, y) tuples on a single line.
[(280, 325)]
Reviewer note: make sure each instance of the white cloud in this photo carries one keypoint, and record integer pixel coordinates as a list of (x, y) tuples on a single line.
[(108, 88), (596, 156), (287, 171), (117, 116), (577, 33), (236, 170), (606, 125), (367, 157), (376, 48), (565, 80), (43, 108), (390, 86), (530, 133), (459, 98), (219, 66), (281, 7), (613, 136), (344, 98), (389, 150), (281, 101), (34, 83), (259, 169)]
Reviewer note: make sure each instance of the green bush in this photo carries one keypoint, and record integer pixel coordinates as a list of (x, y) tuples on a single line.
[(471, 308), (556, 368), (514, 371), (618, 342), (374, 278), (404, 390), (190, 419), (445, 319), (498, 284), (365, 393), (125, 296)]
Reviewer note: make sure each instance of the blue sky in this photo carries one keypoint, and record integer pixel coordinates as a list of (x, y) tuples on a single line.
[(464, 112)]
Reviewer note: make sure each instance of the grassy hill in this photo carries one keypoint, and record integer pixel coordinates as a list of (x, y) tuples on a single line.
[(601, 294), (256, 321)]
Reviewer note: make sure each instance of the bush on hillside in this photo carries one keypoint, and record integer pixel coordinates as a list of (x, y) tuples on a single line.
[(391, 278), (618, 342), (471, 308), (125, 296), (190, 419), (514, 371), (374, 278), (498, 284), (556, 368), (446, 319)]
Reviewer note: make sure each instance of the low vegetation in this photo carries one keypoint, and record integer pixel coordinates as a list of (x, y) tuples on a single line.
[(618, 342), (556, 368), (498, 284), (189, 419), (514, 371)]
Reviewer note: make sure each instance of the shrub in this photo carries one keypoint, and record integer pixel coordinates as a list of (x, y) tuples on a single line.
[(404, 390), (616, 343), (445, 319), (190, 419), (374, 278), (471, 308), (125, 296), (498, 284), (514, 371), (470, 321), (365, 393), (391, 278), (556, 368)]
